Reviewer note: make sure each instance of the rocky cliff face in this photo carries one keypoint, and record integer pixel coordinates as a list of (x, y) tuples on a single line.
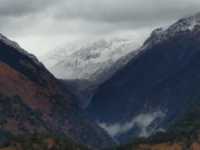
[(33, 101), (162, 79)]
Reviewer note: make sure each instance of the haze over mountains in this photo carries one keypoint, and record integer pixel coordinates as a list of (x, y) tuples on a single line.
[(90, 59), (108, 92), (85, 66), (140, 98)]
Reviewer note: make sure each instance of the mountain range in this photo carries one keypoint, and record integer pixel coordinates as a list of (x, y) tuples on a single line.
[(84, 66), (108, 94), (156, 87), (34, 102)]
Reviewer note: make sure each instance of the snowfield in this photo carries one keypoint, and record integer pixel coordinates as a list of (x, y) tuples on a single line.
[(90, 60)]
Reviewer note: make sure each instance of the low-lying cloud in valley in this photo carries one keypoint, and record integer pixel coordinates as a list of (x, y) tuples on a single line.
[(141, 121)]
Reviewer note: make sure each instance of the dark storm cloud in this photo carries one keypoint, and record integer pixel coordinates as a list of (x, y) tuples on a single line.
[(36, 23), (14, 8), (97, 14), (18, 16), (128, 12)]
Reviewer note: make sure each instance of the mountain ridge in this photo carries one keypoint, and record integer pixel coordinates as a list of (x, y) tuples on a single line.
[(156, 79), (41, 104), (92, 62)]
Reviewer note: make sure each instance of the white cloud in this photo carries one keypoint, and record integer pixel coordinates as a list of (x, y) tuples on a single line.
[(143, 121)]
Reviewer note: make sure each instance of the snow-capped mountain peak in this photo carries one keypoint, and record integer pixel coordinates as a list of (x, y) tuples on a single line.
[(187, 24), (86, 65), (88, 59)]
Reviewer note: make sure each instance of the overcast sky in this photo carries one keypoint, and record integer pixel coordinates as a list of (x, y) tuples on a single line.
[(42, 25)]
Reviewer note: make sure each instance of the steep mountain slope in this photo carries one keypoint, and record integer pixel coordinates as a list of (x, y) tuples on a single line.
[(155, 86), (86, 66), (32, 101)]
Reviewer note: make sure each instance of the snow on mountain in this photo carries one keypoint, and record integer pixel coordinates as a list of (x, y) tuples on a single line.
[(182, 25), (164, 76), (34, 103), (89, 60), (84, 66)]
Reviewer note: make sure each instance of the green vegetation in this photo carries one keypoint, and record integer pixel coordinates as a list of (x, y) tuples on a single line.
[(185, 130), (31, 133), (41, 142)]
